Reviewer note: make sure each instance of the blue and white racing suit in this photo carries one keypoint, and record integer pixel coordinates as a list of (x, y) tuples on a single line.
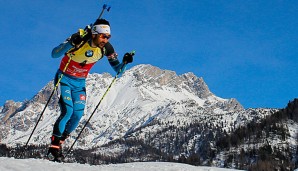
[(74, 68)]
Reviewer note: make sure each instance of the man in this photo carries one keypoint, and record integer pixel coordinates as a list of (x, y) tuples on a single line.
[(81, 52)]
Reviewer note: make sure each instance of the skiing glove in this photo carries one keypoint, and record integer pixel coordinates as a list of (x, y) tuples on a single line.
[(81, 36), (76, 39), (127, 58)]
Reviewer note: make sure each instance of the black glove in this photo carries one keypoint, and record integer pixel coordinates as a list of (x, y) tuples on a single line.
[(76, 39), (81, 36), (128, 58)]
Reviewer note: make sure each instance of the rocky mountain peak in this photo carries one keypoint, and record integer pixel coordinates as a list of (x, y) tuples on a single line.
[(9, 108), (154, 76), (143, 94)]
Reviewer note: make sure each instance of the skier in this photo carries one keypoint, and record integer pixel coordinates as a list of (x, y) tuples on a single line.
[(80, 54)]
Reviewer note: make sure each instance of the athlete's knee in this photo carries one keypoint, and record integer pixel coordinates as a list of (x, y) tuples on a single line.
[(79, 108), (66, 107)]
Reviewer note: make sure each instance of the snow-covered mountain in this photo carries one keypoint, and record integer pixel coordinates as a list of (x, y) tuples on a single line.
[(142, 94), (175, 115)]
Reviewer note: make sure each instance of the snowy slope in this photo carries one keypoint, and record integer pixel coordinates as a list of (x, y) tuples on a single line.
[(10, 164)]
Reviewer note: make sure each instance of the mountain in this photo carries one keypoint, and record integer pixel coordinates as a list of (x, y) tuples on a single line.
[(152, 114), (144, 93)]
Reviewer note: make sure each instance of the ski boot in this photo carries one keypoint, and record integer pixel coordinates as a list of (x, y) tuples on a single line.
[(63, 138), (55, 150)]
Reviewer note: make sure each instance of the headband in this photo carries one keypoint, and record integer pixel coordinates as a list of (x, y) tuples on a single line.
[(102, 28)]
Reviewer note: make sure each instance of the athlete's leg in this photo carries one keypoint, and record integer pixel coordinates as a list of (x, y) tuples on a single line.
[(79, 101), (66, 105)]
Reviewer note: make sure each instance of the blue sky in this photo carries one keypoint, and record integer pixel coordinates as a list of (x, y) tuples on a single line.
[(242, 49)]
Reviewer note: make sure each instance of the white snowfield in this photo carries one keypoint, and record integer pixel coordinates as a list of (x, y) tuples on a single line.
[(11, 164)]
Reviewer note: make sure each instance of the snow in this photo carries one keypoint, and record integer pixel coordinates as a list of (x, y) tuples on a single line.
[(11, 164)]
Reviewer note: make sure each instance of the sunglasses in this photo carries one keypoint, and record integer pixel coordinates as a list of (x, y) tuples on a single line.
[(104, 36)]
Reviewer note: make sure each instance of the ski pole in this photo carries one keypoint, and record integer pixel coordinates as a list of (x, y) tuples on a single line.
[(105, 7), (114, 79), (55, 87)]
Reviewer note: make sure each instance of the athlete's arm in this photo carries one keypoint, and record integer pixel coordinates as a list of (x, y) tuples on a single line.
[(61, 49), (116, 65), (113, 60)]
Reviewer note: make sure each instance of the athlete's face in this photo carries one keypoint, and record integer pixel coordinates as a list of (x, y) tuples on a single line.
[(101, 39)]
